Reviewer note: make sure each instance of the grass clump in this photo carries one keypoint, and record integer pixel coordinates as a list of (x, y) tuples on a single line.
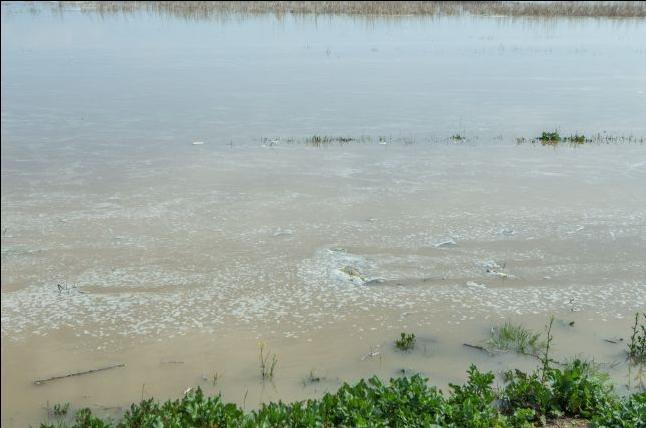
[(514, 337), (268, 362), (458, 137), (318, 140), (406, 342), (193, 10), (637, 344), (576, 139), (549, 138), (60, 410)]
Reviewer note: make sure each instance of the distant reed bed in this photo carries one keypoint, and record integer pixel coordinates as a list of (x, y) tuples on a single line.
[(205, 10)]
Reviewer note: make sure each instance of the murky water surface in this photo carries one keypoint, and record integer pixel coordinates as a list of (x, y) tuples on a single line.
[(176, 258)]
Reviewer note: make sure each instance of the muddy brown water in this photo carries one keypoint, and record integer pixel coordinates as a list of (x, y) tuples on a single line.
[(178, 259)]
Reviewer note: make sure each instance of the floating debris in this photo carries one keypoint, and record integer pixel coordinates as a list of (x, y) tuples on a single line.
[(448, 243), (198, 143), (475, 284), (479, 348), (507, 232), (283, 232), (578, 229), (100, 369), (354, 274), (374, 352)]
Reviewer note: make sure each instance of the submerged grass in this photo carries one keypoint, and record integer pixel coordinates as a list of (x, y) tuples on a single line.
[(318, 140), (205, 10), (637, 344), (268, 362), (554, 138), (514, 337), (406, 342)]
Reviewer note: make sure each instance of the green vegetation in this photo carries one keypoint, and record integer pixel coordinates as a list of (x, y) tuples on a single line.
[(550, 138), (318, 140), (268, 363), (575, 390), (524, 400), (458, 137), (576, 139), (514, 337), (406, 342), (60, 410), (311, 378), (637, 345), (208, 10), (553, 138)]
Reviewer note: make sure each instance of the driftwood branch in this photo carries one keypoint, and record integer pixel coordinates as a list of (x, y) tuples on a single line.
[(100, 369), (479, 348)]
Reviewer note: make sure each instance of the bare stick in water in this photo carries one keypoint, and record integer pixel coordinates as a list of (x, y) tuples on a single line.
[(479, 348), (100, 369)]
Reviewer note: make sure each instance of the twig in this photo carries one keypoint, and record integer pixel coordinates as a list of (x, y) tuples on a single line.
[(100, 369), (479, 348)]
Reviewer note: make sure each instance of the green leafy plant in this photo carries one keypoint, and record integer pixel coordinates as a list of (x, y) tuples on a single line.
[(576, 389), (550, 138), (406, 342)]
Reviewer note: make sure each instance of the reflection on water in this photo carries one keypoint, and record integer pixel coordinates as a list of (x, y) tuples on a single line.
[(169, 250)]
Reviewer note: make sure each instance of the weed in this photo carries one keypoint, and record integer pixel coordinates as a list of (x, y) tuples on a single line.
[(576, 390), (576, 139), (318, 140), (550, 138), (268, 363), (312, 377), (406, 342), (369, 9), (58, 411), (524, 400), (514, 337), (545, 358), (637, 345), (457, 137)]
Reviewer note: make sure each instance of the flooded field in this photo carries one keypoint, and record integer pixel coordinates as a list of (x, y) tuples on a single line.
[(163, 206)]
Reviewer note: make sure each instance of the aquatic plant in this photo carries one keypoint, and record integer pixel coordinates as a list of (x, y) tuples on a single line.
[(312, 377), (406, 342), (318, 140), (268, 362), (457, 137), (514, 337), (574, 391), (206, 10), (637, 344), (554, 138), (576, 139), (549, 138)]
